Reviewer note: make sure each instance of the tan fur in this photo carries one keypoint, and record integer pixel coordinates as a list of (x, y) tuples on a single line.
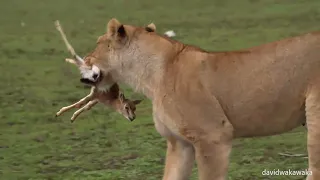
[(112, 98), (152, 26), (202, 100)]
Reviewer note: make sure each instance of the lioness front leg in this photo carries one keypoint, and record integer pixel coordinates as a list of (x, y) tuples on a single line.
[(212, 136), (179, 159), (212, 159), (212, 142)]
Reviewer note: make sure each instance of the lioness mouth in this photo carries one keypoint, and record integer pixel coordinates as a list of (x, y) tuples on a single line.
[(97, 77)]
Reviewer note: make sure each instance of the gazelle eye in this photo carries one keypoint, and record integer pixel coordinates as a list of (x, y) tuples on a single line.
[(126, 107)]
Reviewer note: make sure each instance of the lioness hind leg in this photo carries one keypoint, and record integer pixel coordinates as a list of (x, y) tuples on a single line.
[(313, 125)]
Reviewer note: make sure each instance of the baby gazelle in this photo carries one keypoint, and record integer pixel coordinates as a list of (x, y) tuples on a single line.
[(112, 98)]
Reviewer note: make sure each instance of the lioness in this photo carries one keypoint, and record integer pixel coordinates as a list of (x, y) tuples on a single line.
[(202, 100)]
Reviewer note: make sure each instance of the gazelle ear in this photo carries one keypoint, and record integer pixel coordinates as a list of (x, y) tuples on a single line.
[(121, 96), (135, 102), (72, 61)]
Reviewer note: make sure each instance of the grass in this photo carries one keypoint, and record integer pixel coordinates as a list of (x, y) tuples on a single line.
[(36, 82)]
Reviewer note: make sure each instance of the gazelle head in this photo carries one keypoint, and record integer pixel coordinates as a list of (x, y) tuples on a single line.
[(126, 107)]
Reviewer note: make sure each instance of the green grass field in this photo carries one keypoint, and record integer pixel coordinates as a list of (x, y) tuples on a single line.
[(36, 82)]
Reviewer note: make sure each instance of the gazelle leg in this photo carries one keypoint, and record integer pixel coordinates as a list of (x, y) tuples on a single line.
[(87, 107), (79, 103)]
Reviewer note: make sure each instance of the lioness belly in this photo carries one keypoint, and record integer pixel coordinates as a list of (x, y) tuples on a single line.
[(274, 107), (270, 99), (266, 123), (266, 102)]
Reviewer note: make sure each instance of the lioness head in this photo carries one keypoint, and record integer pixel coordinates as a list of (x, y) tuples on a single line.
[(122, 49)]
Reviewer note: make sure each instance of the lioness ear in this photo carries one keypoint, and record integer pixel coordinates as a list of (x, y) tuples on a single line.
[(151, 27), (115, 28)]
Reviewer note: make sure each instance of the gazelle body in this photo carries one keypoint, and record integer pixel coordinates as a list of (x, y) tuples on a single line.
[(112, 98)]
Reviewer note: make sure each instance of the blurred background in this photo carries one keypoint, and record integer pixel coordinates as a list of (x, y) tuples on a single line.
[(36, 82)]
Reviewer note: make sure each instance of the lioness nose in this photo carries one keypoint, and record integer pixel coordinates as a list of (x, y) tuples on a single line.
[(95, 76)]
